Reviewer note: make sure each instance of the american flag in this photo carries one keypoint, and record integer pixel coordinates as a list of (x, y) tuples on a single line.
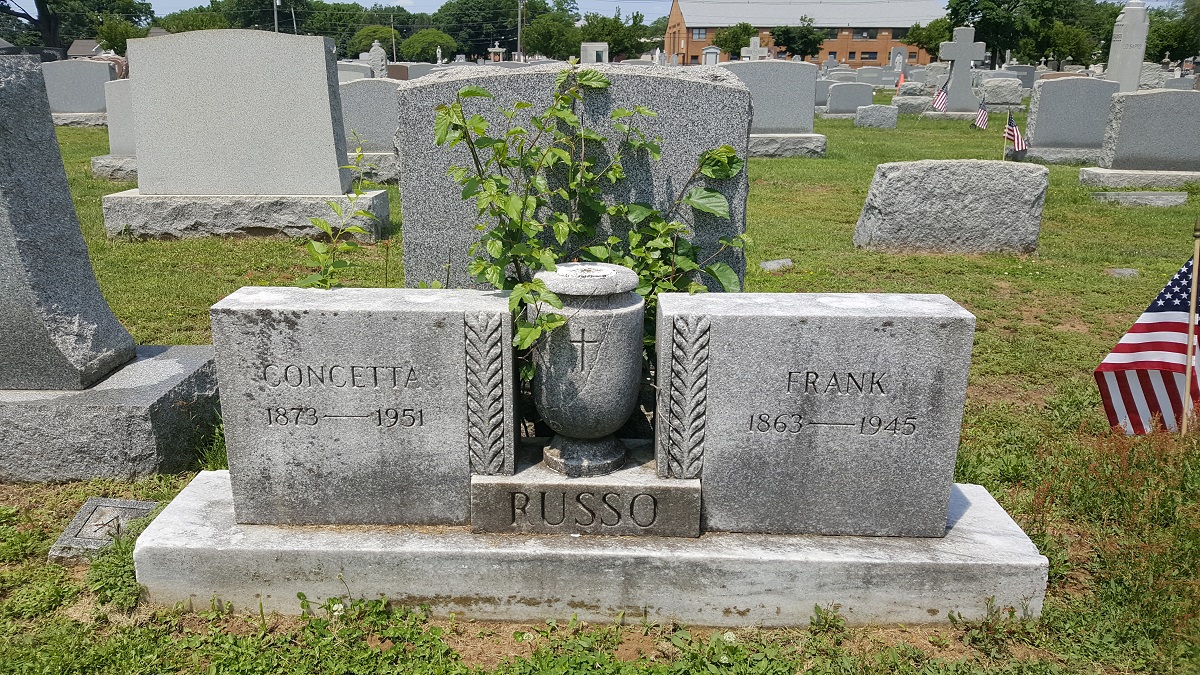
[(939, 101), (1012, 133), (1143, 376), (981, 118)]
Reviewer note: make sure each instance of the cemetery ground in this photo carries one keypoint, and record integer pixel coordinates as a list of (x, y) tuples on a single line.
[(1118, 518)]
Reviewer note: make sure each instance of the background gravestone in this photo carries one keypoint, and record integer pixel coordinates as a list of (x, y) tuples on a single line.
[(1144, 131), (58, 331), (77, 85), (961, 52), (348, 71), (698, 109), (1068, 118), (120, 163), (1127, 50), (845, 98), (784, 99), (369, 110)]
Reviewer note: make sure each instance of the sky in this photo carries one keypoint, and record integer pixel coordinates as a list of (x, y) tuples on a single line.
[(651, 8)]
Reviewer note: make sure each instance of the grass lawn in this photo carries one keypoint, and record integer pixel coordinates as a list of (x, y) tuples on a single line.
[(1118, 518)]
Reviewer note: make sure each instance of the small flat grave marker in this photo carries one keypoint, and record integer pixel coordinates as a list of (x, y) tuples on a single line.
[(97, 523)]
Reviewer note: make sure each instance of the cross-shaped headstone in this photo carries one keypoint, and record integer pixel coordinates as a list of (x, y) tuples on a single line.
[(755, 52), (960, 53), (830, 64), (583, 342)]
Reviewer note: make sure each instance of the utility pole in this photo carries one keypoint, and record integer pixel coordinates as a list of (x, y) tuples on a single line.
[(392, 21), (295, 31), (520, 21), (275, 11)]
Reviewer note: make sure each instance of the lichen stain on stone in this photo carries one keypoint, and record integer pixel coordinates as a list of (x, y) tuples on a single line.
[(932, 612), (580, 604), (730, 611)]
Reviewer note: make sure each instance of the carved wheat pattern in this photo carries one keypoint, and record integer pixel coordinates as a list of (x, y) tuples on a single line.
[(485, 393), (689, 397)]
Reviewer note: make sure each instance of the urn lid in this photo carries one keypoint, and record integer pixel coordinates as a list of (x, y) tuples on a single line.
[(589, 278)]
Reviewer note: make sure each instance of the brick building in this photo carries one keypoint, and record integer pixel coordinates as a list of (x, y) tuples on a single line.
[(860, 33)]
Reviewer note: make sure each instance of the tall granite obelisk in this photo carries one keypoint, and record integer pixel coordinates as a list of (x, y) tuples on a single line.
[(1128, 48)]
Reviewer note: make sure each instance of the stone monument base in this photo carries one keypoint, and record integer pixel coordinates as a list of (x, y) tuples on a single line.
[(195, 552), (114, 167), (912, 105), (1133, 178), (787, 145), (1057, 155), (80, 119), (836, 116), (1142, 198), (131, 213), (935, 115), (146, 417), (380, 167)]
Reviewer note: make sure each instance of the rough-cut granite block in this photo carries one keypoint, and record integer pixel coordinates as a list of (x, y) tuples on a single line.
[(954, 206), (1117, 178), (363, 405), (1142, 198), (787, 145), (1144, 131), (195, 552), (814, 413), (877, 116)]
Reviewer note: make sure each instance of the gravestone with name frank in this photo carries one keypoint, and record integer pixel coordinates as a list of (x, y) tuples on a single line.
[(77, 399), (784, 97), (216, 158)]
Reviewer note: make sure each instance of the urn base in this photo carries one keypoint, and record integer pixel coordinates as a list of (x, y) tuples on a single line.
[(580, 457)]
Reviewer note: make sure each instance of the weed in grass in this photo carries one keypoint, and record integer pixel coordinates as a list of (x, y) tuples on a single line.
[(111, 573), (34, 591), (17, 544), (213, 456), (994, 634)]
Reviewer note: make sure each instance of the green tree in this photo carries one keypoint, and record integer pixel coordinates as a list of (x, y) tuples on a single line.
[(554, 35), (17, 32), (422, 46), (1171, 31), (60, 21), (363, 39), (732, 39), (476, 24), (656, 32), (1070, 42), (624, 37), (998, 23), (114, 32), (338, 21), (802, 40), (196, 18), (930, 36)]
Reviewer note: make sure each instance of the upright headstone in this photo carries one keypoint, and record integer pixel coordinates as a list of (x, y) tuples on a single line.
[(1153, 76), (1128, 47), (217, 157), (828, 64), (814, 413), (1067, 119), (349, 71), (784, 99), (698, 109), (1144, 131), (872, 75), (755, 52), (77, 86), (120, 163), (77, 399), (961, 52), (845, 98), (593, 52), (710, 55), (369, 120), (843, 76), (1026, 73), (378, 60), (822, 91), (899, 60)]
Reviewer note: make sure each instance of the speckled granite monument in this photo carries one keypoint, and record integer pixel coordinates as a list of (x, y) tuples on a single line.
[(77, 399), (784, 95)]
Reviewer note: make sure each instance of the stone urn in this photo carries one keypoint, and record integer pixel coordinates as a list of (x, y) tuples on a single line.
[(588, 371)]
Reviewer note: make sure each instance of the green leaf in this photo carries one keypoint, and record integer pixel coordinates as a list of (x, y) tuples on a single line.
[(512, 206), (317, 248), (527, 371), (365, 214), (639, 212), (597, 253), (472, 90), (495, 247), (552, 300), (470, 187), (725, 275), (322, 225), (314, 279), (708, 201), (520, 105), (644, 111), (593, 79), (562, 78), (526, 336), (619, 113), (441, 124), (721, 163)]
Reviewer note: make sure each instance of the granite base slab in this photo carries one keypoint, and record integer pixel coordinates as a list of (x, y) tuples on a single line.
[(1057, 155), (114, 167), (1142, 198), (379, 167), (194, 552), (80, 119), (149, 416), (935, 115), (837, 116), (131, 213), (1133, 178), (787, 145)]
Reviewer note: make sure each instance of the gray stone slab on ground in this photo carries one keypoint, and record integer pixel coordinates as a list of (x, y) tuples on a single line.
[(935, 115), (77, 85), (877, 116), (223, 134), (120, 118), (632, 500), (195, 551), (1142, 198), (1068, 118), (97, 523), (390, 399), (783, 94), (56, 329), (1184, 83), (148, 417), (852, 429), (698, 108), (1117, 178), (1144, 131), (787, 145), (775, 265), (130, 213), (912, 105), (847, 97), (953, 206), (112, 167), (85, 120)]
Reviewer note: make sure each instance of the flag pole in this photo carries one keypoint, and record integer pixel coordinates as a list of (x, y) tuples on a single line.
[(1191, 355)]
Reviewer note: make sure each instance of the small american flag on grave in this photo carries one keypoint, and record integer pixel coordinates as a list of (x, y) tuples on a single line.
[(1141, 380)]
